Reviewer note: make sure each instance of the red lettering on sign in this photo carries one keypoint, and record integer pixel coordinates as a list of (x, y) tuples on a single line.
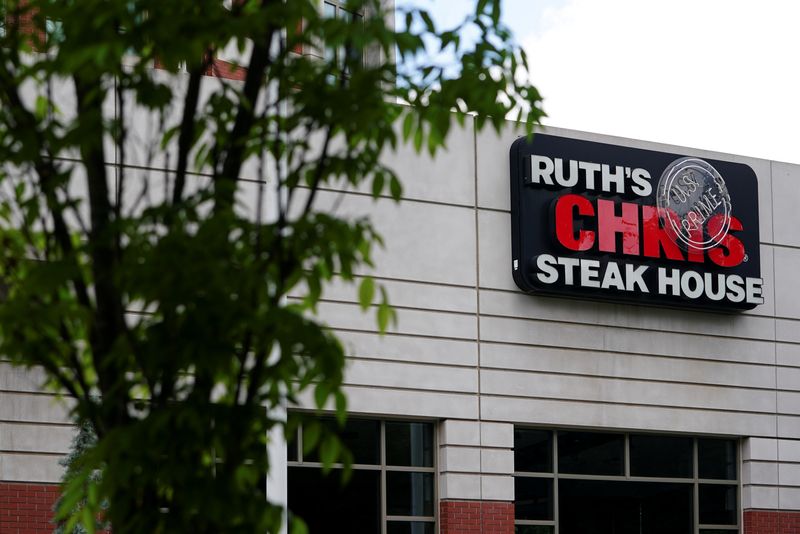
[(730, 253), (659, 240), (656, 238), (565, 225), (609, 225)]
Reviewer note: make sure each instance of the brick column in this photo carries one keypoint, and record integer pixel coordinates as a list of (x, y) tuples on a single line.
[(476, 462), (771, 522), (27, 508), (485, 517)]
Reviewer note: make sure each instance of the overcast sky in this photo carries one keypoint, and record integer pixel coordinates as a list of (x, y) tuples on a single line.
[(714, 74)]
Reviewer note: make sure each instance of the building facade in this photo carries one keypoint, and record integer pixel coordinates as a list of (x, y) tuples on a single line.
[(486, 409), (522, 390)]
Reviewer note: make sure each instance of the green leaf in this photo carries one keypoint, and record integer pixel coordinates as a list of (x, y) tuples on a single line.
[(329, 450), (87, 520), (418, 138), (396, 188), (384, 316), (311, 434), (366, 292), (426, 17), (41, 107), (408, 125), (341, 408), (298, 526), (377, 184)]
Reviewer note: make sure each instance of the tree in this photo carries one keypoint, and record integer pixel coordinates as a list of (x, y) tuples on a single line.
[(83, 441), (157, 301)]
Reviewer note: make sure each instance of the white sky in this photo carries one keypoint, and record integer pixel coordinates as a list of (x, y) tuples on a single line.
[(714, 74)]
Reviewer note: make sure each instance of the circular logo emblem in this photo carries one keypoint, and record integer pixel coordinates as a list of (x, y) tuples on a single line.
[(694, 204)]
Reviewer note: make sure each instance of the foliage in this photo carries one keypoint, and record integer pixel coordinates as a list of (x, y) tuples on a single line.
[(176, 309), (83, 441)]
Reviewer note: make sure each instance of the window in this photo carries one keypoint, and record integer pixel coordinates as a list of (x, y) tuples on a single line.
[(569, 482), (392, 488), (342, 56)]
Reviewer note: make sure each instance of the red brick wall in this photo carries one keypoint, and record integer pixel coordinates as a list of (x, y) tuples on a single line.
[(27, 508), (485, 517), (771, 522)]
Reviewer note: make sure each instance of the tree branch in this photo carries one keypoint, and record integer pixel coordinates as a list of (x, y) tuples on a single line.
[(187, 130), (109, 318), (47, 173), (259, 61)]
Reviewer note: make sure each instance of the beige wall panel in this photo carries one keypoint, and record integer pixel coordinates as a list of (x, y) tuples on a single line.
[(493, 165), (787, 353), (411, 376), (525, 306), (30, 468), (787, 267), (494, 247), (762, 497), (423, 242), (785, 199), (449, 177), (789, 498), (25, 407), (403, 403), (787, 330), (407, 295), (592, 337), (788, 426), (760, 473), (618, 365), (788, 378), (416, 322), (410, 348), (789, 474), (560, 413), (789, 450), (635, 392), (789, 402), (764, 449), (15, 378), (35, 437)]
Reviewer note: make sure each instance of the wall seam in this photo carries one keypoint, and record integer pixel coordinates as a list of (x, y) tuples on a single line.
[(477, 303), (775, 342)]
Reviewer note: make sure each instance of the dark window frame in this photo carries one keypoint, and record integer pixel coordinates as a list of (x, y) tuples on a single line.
[(384, 468), (694, 480)]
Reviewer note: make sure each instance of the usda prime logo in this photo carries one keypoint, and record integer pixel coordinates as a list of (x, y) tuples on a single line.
[(604, 221)]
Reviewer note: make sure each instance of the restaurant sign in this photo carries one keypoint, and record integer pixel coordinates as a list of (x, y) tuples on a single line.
[(594, 220)]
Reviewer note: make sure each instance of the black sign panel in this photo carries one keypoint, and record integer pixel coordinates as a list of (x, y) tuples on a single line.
[(594, 220)]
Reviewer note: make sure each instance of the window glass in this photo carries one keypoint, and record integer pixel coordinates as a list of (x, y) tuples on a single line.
[(718, 504), (661, 456), (409, 444), (323, 500), (591, 453), (410, 527), (533, 451), (716, 458), (291, 450), (409, 494), (361, 437), (624, 507), (533, 498)]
